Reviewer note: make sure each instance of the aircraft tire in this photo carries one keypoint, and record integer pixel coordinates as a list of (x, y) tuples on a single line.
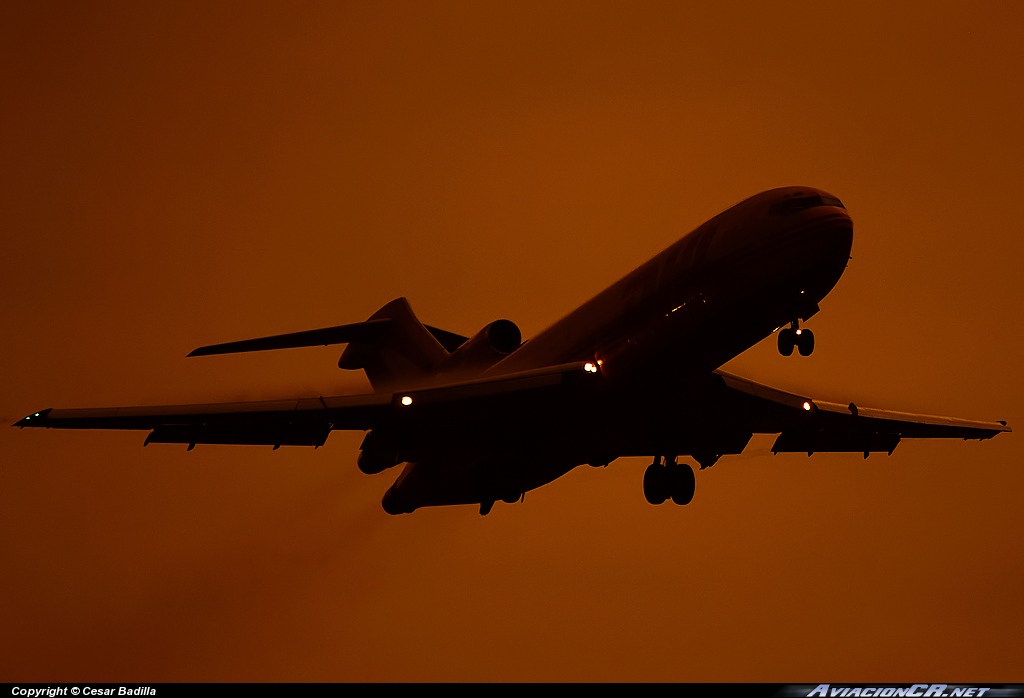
[(655, 484), (805, 343), (682, 483), (787, 340)]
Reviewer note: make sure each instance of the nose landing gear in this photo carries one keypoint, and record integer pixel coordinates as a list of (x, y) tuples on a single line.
[(795, 337), (671, 480)]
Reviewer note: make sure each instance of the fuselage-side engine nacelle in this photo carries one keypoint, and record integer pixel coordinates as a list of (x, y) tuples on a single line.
[(486, 348)]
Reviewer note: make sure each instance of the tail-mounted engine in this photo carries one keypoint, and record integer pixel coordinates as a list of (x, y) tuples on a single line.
[(487, 347)]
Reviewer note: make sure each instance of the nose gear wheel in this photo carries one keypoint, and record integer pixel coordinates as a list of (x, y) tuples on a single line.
[(670, 480), (795, 337)]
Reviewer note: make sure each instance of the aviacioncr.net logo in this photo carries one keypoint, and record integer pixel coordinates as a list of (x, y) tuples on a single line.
[(917, 690)]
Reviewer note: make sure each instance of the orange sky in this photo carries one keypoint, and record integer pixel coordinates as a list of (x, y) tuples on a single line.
[(175, 174)]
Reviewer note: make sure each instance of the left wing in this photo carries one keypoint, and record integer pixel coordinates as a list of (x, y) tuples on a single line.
[(301, 422), (309, 421), (806, 425)]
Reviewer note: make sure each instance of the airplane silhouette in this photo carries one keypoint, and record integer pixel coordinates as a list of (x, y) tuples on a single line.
[(632, 372)]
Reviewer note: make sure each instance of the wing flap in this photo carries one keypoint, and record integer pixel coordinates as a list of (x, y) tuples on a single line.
[(277, 435), (825, 441)]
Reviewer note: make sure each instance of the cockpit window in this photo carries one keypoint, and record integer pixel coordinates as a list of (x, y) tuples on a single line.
[(801, 203)]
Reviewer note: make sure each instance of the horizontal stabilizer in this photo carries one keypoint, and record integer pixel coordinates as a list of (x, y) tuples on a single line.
[(368, 331), (341, 334)]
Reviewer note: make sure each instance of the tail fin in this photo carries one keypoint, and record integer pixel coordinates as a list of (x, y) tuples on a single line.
[(403, 355)]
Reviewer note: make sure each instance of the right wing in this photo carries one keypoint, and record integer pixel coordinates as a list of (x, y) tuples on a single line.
[(806, 425)]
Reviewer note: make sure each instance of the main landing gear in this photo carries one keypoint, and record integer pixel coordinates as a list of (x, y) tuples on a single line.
[(794, 336), (672, 479)]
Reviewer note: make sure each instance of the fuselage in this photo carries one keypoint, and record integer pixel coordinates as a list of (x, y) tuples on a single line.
[(712, 294), (717, 291)]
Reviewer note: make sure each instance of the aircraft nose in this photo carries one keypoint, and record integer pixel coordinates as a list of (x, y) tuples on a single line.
[(834, 222), (830, 231), (816, 248), (813, 221)]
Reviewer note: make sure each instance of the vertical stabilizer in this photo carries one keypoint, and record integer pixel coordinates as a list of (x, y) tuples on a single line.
[(403, 356)]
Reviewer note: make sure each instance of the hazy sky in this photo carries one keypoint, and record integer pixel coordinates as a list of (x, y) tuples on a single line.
[(178, 174)]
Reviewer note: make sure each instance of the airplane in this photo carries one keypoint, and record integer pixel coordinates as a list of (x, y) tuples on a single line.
[(634, 371)]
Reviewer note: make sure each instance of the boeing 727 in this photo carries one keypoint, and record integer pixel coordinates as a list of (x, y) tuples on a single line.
[(635, 371)]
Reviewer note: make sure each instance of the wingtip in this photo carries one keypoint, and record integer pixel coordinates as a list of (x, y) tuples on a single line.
[(34, 419), (207, 350)]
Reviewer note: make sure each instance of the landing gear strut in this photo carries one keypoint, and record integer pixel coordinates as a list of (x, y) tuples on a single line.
[(671, 480), (795, 337)]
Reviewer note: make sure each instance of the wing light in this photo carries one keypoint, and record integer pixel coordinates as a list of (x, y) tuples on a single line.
[(807, 406), (406, 400)]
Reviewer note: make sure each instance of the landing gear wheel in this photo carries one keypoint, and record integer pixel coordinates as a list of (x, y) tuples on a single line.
[(656, 484), (805, 342), (787, 340), (682, 482)]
